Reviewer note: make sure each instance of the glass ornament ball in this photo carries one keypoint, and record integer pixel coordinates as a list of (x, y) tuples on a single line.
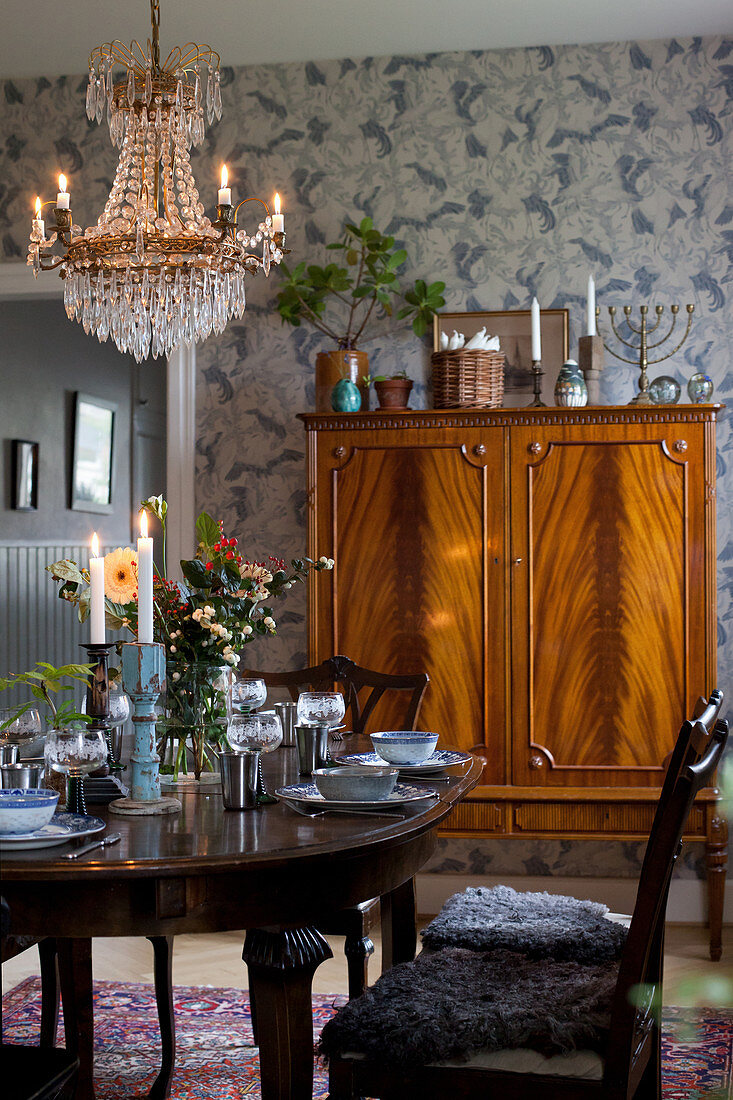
[(665, 390), (700, 388)]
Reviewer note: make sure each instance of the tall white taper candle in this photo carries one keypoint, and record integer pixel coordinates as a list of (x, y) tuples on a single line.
[(96, 604), (591, 326), (536, 339), (144, 582)]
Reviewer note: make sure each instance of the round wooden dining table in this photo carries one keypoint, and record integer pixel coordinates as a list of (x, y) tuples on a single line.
[(270, 871)]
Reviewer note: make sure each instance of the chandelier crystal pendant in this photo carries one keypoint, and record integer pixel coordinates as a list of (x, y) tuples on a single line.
[(154, 270)]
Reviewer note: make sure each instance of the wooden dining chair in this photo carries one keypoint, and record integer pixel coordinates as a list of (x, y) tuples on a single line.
[(363, 688), (629, 1062)]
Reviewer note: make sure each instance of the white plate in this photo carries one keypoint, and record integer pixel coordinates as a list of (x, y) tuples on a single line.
[(441, 759), (308, 794), (60, 829)]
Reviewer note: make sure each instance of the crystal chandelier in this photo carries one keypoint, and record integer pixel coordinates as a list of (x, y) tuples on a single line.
[(154, 270)]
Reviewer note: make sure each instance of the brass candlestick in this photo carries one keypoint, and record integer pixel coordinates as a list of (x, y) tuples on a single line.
[(644, 347), (537, 373)]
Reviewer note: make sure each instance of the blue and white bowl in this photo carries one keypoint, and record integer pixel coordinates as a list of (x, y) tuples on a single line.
[(404, 746), (24, 810), (355, 784)]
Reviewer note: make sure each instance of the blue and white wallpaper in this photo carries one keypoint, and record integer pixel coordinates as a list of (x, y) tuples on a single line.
[(506, 173)]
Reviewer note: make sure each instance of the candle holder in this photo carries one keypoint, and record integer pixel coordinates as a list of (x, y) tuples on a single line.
[(590, 361), (224, 216), (143, 677), (63, 219), (644, 347), (537, 373), (98, 696)]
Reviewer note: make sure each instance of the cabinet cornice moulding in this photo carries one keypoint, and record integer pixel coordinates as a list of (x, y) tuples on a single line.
[(490, 418)]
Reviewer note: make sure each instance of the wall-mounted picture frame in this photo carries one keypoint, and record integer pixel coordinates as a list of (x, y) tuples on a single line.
[(24, 474), (93, 461), (513, 327)]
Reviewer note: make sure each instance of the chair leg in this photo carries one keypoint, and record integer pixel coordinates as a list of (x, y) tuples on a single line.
[(650, 1085), (357, 950), (50, 991), (716, 852), (163, 976)]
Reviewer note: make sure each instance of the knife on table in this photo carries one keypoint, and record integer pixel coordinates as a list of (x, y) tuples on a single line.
[(105, 842)]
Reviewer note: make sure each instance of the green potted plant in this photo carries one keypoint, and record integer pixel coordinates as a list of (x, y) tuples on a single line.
[(341, 301)]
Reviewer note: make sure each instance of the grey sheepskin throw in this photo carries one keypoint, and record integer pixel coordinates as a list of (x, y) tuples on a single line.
[(542, 926), (454, 1002)]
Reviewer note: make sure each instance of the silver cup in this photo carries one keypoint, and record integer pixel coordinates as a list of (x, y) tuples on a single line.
[(239, 779), (312, 748), (287, 713), (24, 775), (8, 754)]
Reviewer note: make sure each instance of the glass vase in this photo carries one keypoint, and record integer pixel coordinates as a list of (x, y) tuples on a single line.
[(195, 720)]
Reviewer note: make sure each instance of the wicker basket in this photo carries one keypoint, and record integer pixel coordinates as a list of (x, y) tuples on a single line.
[(468, 379)]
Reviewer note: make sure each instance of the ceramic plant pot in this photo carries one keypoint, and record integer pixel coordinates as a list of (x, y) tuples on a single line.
[(345, 396), (331, 367), (393, 393)]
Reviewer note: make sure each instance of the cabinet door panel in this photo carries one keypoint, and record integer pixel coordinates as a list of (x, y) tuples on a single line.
[(417, 586), (603, 595)]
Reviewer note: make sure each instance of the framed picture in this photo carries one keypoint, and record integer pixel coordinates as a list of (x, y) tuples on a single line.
[(25, 475), (92, 469), (513, 327)]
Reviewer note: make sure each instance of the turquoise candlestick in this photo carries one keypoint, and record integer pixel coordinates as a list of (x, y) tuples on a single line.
[(143, 677)]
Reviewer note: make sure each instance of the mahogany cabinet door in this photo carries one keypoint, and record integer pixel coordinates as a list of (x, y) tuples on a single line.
[(610, 594), (415, 520)]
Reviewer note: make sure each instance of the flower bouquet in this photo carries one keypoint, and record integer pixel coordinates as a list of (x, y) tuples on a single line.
[(204, 623)]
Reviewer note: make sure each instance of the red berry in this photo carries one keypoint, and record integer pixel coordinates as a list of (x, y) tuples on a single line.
[(217, 547), (229, 555), (239, 559), (233, 542), (209, 565)]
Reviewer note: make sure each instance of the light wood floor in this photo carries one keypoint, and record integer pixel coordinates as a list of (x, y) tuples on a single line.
[(215, 960)]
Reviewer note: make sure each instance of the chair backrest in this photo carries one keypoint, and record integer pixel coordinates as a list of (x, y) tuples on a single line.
[(695, 758), (362, 687)]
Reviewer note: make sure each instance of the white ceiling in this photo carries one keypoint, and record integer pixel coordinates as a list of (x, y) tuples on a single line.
[(50, 37)]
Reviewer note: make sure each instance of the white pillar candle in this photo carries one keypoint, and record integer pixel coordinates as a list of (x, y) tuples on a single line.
[(591, 326), (225, 193), (144, 582), (278, 219), (536, 339), (62, 199), (96, 604)]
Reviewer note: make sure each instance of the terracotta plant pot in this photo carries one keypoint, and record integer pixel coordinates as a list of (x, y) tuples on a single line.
[(331, 366), (393, 393)]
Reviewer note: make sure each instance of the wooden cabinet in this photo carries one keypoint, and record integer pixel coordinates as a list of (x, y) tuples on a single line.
[(553, 571)]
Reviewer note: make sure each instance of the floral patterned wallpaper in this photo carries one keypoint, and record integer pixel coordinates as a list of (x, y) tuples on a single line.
[(506, 173)]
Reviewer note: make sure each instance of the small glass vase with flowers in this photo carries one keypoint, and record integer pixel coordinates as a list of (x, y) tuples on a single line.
[(223, 603)]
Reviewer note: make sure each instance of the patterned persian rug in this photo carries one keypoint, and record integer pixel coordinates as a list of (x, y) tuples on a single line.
[(216, 1059)]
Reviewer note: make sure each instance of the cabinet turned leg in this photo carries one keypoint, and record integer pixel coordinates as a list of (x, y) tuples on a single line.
[(163, 977), (77, 996), (399, 925), (281, 965), (716, 853), (50, 991)]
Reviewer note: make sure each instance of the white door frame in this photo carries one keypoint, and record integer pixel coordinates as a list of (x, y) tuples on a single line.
[(17, 282)]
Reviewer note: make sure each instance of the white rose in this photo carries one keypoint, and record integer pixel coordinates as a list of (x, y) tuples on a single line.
[(176, 675), (173, 649), (269, 621), (247, 629)]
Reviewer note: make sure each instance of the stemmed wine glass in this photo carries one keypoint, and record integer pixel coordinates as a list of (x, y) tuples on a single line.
[(75, 751), (261, 731), (247, 695), (321, 708), (21, 730)]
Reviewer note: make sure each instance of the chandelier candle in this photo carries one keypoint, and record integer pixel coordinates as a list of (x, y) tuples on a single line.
[(96, 600), (155, 270), (63, 198), (225, 193), (278, 219), (144, 582)]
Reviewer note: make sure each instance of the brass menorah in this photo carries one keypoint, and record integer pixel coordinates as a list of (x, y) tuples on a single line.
[(644, 347)]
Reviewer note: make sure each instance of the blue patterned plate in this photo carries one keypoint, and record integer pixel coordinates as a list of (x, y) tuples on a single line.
[(441, 759), (60, 829), (308, 794)]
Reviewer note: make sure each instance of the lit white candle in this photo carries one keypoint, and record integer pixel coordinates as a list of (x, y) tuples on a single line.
[(536, 339), (225, 193), (39, 223), (96, 605), (591, 327), (62, 199), (144, 582), (278, 219)]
